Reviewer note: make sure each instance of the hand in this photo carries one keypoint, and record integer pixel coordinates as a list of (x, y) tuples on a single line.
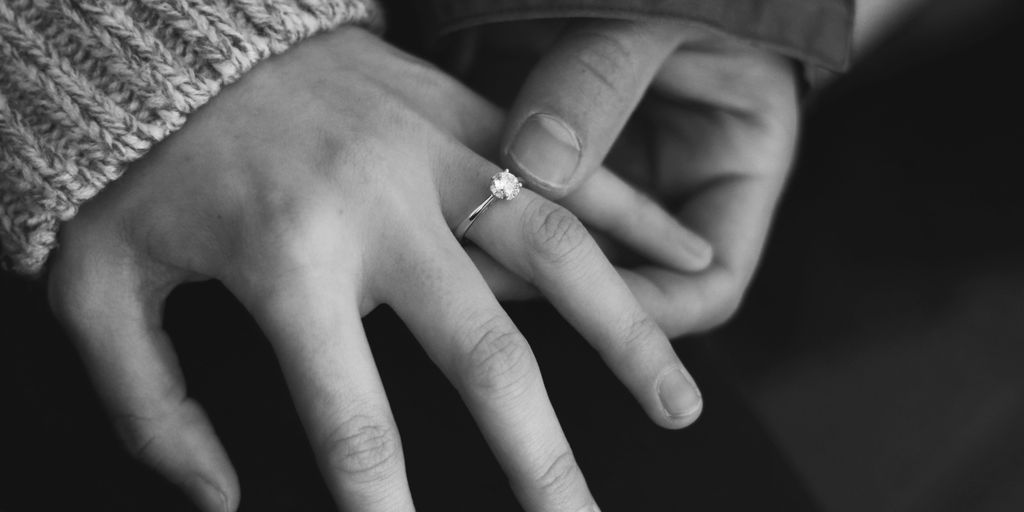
[(713, 139), (322, 184)]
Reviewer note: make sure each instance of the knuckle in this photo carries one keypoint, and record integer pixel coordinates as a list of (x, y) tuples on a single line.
[(554, 234), (604, 57), (362, 448), (560, 476), (328, 152), (293, 236), (135, 433), (140, 432), (499, 360), (638, 331), (292, 241), (283, 213)]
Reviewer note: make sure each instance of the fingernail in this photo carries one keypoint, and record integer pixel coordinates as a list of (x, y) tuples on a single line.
[(546, 149), (678, 394)]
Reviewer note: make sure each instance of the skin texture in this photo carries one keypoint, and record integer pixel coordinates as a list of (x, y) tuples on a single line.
[(323, 184), (705, 124)]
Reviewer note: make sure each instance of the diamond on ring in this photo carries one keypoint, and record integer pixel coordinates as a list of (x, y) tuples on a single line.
[(505, 185)]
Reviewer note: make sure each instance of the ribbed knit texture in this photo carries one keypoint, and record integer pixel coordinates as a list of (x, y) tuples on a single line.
[(86, 87)]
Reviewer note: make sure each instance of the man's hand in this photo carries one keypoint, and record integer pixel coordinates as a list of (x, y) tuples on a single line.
[(324, 183), (713, 139)]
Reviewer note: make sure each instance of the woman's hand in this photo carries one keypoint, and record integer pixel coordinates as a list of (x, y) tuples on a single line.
[(324, 184), (713, 139)]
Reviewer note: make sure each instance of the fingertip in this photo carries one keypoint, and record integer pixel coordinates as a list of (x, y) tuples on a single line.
[(696, 253), (681, 401), (678, 423), (188, 452)]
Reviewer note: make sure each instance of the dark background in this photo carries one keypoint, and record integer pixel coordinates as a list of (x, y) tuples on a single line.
[(883, 342), (874, 366)]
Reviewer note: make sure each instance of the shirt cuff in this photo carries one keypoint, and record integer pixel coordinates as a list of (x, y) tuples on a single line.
[(815, 32)]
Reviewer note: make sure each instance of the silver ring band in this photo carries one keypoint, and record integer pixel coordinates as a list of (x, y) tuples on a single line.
[(504, 185), (460, 231)]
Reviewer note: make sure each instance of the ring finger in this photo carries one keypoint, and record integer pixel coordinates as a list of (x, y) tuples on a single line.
[(549, 247)]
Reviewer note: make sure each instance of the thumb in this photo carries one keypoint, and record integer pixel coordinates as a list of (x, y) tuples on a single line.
[(577, 99)]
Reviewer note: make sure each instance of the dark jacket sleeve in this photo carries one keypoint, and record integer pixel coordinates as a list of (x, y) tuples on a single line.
[(815, 32)]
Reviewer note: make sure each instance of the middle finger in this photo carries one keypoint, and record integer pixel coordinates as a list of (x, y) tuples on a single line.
[(446, 303)]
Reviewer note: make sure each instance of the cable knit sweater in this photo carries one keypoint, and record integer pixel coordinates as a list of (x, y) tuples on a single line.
[(88, 86)]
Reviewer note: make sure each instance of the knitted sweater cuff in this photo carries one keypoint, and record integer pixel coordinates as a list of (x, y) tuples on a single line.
[(88, 86)]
